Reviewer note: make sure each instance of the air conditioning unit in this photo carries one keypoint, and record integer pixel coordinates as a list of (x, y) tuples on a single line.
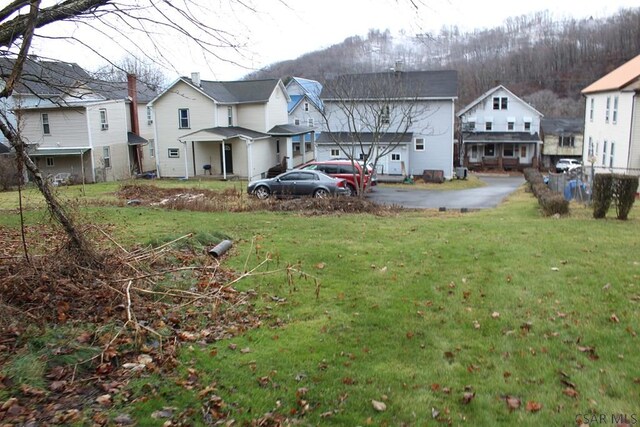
[(149, 122), (104, 126)]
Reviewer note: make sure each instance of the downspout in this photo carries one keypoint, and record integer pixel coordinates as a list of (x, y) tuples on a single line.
[(186, 161), (93, 164)]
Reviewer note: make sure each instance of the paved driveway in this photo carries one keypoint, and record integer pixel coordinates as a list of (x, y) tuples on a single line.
[(489, 196)]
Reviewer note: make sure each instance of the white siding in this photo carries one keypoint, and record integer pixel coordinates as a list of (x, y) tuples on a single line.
[(202, 114), (634, 152), (68, 128), (277, 109), (253, 116)]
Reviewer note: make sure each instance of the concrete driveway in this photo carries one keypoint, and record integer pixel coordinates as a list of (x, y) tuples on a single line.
[(489, 196)]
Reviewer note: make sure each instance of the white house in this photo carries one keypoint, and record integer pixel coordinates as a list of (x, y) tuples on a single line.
[(230, 129), (82, 128), (404, 119), (500, 130), (612, 121)]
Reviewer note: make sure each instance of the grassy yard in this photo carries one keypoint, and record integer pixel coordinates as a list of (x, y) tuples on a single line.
[(497, 317)]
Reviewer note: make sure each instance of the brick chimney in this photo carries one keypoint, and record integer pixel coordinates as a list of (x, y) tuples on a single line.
[(132, 92)]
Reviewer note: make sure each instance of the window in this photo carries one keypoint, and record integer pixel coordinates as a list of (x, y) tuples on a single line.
[(296, 147), (307, 147), (296, 122), (306, 106), (395, 157), (149, 116), (591, 105), (490, 150), (566, 141), (523, 151), (46, 128), (106, 156), (474, 151), (335, 152), (615, 110), (507, 150), (511, 125), (488, 126), (527, 125), (604, 153), (229, 116), (471, 125), (590, 146), (500, 103), (183, 118), (50, 162), (385, 115), (152, 149), (606, 113), (419, 145), (611, 155), (104, 123), (310, 122), (174, 153)]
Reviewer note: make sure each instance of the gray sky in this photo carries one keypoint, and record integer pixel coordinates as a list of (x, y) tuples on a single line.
[(285, 29)]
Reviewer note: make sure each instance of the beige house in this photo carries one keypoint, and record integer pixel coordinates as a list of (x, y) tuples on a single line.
[(85, 130), (562, 139), (227, 129)]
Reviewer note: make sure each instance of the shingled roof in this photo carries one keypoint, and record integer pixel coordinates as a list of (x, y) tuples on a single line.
[(393, 84), (238, 92), (618, 79)]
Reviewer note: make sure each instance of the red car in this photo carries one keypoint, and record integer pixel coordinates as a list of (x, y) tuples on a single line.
[(342, 169)]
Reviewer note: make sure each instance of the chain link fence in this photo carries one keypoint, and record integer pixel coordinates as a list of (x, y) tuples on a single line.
[(577, 184)]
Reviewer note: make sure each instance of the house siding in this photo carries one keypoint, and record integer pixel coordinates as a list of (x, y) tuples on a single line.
[(68, 128), (252, 116), (634, 149), (276, 111), (202, 114), (601, 130), (115, 137)]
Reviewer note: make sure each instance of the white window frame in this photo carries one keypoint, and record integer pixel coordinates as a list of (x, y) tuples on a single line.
[(472, 125), (395, 157), (104, 120), (106, 156), (385, 115), (614, 118), (511, 125), (306, 106), (488, 126), (310, 122), (611, 153), (418, 144), (180, 119), (152, 149), (296, 121), (46, 126), (173, 153), (591, 108), (149, 115), (229, 116), (607, 110), (590, 152), (527, 125), (335, 152), (604, 153)]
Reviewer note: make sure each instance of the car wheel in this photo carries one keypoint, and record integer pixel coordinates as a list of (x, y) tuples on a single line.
[(261, 192), (352, 190), (320, 193)]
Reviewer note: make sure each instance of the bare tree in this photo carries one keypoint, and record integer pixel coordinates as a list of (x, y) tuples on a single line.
[(20, 22), (370, 115), (146, 72)]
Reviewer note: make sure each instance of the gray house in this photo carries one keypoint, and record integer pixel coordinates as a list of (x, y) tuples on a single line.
[(403, 119), (562, 139)]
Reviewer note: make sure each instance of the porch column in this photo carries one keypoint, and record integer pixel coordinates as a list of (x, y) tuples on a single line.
[(249, 143), (224, 161), (303, 147), (315, 147), (186, 161), (289, 153)]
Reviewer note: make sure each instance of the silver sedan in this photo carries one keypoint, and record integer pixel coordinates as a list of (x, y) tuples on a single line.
[(297, 183)]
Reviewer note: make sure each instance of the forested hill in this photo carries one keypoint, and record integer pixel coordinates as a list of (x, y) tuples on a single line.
[(546, 61)]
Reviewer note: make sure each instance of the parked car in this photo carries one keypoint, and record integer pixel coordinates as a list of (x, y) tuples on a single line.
[(567, 165), (342, 169), (297, 183)]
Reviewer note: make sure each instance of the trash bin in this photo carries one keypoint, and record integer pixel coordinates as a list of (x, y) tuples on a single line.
[(461, 173)]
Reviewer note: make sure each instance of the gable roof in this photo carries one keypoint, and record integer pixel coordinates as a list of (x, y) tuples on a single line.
[(222, 133), (618, 79), (393, 84), (490, 92), (560, 125), (59, 79), (311, 88)]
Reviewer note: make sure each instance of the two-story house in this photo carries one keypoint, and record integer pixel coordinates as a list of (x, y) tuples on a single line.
[(305, 109), (562, 139), (402, 119), (81, 128), (500, 130), (229, 129), (612, 121)]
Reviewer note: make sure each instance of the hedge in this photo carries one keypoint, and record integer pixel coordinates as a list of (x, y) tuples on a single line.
[(624, 188)]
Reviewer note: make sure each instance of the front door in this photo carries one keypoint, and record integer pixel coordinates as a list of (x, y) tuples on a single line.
[(228, 159), (395, 164)]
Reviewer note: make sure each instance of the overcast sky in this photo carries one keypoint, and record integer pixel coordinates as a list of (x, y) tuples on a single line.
[(285, 29)]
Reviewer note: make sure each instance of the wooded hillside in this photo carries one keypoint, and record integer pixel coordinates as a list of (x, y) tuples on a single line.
[(545, 61)]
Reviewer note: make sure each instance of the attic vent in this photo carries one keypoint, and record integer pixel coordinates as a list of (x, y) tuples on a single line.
[(104, 126)]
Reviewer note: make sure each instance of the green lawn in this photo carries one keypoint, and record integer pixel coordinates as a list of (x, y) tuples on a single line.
[(414, 311)]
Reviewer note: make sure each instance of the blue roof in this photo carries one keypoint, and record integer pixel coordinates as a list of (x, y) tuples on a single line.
[(312, 89), (295, 99)]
